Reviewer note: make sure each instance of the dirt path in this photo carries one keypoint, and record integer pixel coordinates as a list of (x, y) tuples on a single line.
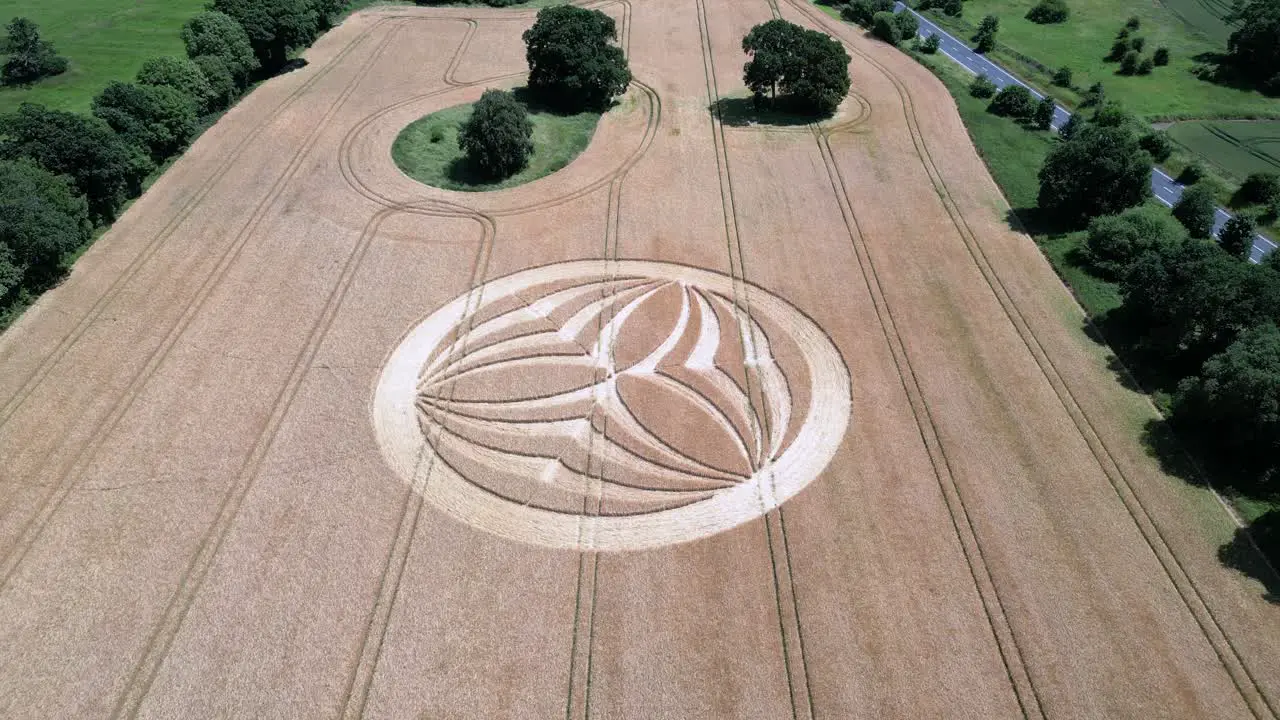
[(715, 422)]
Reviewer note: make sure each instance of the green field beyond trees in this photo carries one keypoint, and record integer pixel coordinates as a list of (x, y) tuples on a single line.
[(1189, 28), (104, 40), (1235, 149)]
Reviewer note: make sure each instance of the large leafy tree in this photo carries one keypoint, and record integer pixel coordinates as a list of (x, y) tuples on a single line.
[(1098, 171), (1190, 300), (1237, 235), (808, 69), (1115, 241), (104, 167), (215, 34), (572, 60), (274, 27), (159, 119), (1254, 48), (41, 219), (497, 138), (30, 58), (1233, 405), (182, 75)]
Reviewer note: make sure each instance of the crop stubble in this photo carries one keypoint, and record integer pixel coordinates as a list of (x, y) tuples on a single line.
[(195, 513)]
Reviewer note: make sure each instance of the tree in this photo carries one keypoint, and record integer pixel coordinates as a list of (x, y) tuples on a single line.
[(1072, 126), (931, 44), (1115, 241), (1113, 115), (158, 119), (274, 27), (1097, 171), (1157, 144), (498, 137), (1233, 406), (41, 219), (30, 58), (218, 35), (1138, 44), (1190, 300), (222, 84), (1129, 63), (104, 167), (1133, 23), (1043, 117), (1252, 49), (1161, 56), (572, 62), (1260, 187), (1192, 173), (182, 75), (953, 8), (985, 38), (1096, 95), (1013, 101), (1118, 49), (982, 87), (1195, 210), (1236, 237), (908, 25), (863, 12), (808, 68), (884, 27), (1062, 77), (1146, 66), (1049, 11)]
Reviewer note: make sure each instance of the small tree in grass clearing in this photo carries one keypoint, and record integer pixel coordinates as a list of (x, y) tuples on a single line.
[(498, 136), (30, 58), (807, 68), (572, 62)]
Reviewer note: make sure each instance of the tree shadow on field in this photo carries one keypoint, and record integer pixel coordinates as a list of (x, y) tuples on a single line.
[(1254, 551), (743, 112)]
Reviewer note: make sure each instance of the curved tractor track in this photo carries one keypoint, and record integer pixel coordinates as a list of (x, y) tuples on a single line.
[(719, 420)]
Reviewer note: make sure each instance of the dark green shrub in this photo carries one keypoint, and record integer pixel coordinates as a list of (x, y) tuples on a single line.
[(1049, 11), (1129, 64), (498, 137), (1195, 210), (982, 87), (1158, 145), (1115, 241), (884, 26), (1013, 101), (1062, 77), (30, 58), (1161, 56)]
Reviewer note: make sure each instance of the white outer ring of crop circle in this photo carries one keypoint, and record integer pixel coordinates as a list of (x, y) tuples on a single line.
[(406, 448)]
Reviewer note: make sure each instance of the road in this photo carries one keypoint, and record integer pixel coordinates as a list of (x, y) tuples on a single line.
[(1166, 189)]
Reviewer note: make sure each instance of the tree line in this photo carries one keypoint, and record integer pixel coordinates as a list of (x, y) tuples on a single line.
[(64, 173), (1198, 321)]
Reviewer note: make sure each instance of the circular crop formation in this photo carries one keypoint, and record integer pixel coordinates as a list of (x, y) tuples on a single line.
[(612, 406), (427, 149)]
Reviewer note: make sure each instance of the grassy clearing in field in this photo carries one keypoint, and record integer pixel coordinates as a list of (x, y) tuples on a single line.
[(427, 150), (1034, 51), (104, 40), (1235, 149)]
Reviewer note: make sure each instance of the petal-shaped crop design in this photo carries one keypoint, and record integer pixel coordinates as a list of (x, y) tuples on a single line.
[(582, 402)]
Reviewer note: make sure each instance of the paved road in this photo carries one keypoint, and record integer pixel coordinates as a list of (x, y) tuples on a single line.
[(1166, 189)]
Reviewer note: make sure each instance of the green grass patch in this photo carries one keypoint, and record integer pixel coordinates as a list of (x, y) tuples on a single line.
[(427, 150), (1235, 149), (1034, 51), (104, 40)]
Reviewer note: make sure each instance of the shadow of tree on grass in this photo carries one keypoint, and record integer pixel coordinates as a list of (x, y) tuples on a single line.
[(1249, 549)]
